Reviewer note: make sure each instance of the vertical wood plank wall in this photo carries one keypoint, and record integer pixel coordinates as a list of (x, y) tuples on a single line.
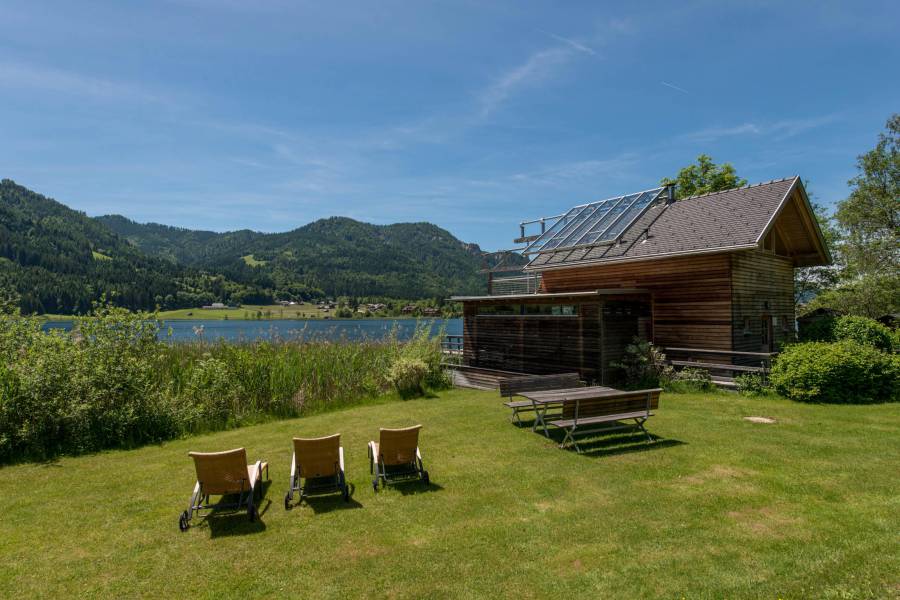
[(532, 344), (691, 295), (762, 285), (714, 301)]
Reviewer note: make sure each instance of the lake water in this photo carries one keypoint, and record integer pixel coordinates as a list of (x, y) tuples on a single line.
[(234, 330)]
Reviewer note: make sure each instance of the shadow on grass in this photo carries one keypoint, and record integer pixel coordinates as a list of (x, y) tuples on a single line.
[(414, 487), (615, 442), (327, 503), (228, 521)]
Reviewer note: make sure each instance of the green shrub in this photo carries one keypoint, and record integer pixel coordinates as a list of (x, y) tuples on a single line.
[(864, 331), (111, 383), (819, 330), (408, 377), (212, 396), (839, 372), (751, 384), (688, 380), (643, 365)]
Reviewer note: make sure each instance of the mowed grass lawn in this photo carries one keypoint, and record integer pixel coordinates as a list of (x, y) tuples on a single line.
[(718, 507)]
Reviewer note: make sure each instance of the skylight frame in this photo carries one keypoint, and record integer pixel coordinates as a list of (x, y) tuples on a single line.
[(576, 217)]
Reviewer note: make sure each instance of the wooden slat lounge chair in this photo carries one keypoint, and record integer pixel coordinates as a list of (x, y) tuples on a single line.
[(317, 467), (396, 457), (514, 386), (223, 474)]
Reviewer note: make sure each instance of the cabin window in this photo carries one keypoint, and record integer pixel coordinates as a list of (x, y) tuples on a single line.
[(554, 310), (747, 326), (528, 310), (500, 310)]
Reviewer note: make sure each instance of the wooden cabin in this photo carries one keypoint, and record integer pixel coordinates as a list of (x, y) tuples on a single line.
[(712, 271)]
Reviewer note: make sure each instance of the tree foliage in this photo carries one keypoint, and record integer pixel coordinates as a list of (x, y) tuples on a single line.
[(870, 216), (704, 177)]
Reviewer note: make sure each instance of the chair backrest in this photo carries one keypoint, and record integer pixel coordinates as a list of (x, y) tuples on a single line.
[(318, 457), (222, 472), (613, 403), (398, 446), (512, 386)]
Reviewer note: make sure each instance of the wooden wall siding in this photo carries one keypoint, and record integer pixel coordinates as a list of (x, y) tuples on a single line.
[(691, 295), (761, 279), (527, 344)]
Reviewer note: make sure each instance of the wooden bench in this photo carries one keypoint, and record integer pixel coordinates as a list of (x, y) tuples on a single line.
[(579, 414), (514, 386)]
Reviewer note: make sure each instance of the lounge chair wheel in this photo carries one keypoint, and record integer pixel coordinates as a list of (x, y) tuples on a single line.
[(425, 477), (287, 502), (183, 521)]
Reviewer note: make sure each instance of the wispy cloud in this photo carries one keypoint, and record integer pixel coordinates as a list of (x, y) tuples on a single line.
[(16, 75), (576, 45), (578, 171), (545, 65), (778, 130), (540, 67), (674, 87)]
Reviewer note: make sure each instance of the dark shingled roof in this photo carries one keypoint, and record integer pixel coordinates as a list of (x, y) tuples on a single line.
[(719, 221)]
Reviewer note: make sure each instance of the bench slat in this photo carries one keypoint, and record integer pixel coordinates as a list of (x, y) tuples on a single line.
[(513, 386), (601, 419)]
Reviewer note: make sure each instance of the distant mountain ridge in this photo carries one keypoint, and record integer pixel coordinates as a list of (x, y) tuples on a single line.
[(333, 256), (55, 259)]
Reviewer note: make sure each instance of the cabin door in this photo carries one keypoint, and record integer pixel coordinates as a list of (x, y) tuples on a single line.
[(767, 340)]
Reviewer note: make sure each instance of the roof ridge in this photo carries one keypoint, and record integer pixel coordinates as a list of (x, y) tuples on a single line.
[(745, 187)]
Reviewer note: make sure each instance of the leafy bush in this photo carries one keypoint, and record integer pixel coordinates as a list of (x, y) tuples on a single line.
[(212, 396), (688, 380), (643, 365), (819, 330), (111, 383), (751, 384), (839, 372), (408, 377), (864, 331)]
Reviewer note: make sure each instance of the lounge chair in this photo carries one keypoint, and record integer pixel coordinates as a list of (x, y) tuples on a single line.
[(317, 466), (222, 474), (396, 457)]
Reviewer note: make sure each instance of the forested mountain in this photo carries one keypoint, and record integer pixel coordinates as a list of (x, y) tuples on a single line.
[(57, 260), (335, 256)]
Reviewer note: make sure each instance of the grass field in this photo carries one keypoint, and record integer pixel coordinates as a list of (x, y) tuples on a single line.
[(304, 310), (718, 507)]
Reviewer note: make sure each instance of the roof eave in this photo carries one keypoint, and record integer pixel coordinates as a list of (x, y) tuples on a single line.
[(798, 184)]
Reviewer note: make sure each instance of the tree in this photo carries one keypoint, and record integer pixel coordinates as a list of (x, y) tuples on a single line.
[(809, 282), (870, 216), (870, 296), (704, 177)]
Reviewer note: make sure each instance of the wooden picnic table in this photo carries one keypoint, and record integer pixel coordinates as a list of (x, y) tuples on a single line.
[(546, 399)]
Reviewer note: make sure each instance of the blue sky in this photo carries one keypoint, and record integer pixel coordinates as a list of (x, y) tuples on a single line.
[(472, 115)]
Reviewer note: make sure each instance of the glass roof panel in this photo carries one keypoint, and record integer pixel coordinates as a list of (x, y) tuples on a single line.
[(576, 224), (633, 213), (555, 229), (595, 223)]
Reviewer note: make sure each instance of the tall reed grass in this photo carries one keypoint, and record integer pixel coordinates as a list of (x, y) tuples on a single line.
[(111, 382)]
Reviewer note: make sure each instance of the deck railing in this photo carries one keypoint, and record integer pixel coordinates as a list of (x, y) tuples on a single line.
[(519, 284), (714, 362), (452, 349)]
